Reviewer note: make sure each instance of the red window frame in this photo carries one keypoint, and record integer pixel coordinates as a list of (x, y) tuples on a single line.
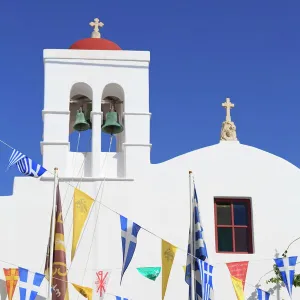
[(249, 227)]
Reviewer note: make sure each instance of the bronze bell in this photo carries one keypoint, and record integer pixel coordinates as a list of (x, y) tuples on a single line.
[(80, 123), (111, 125)]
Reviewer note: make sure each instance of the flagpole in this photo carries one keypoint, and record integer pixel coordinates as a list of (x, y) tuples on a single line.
[(191, 186), (52, 233)]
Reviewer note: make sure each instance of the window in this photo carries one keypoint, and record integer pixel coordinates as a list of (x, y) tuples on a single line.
[(233, 225)]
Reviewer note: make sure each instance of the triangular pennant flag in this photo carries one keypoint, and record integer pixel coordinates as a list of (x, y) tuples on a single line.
[(121, 298), (150, 272), (102, 282), (81, 206), (129, 233), (86, 292), (262, 295), (286, 266), (11, 277), (30, 283), (25, 164), (238, 270), (238, 288), (168, 252)]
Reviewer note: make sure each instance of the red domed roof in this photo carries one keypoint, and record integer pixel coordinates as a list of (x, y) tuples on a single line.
[(95, 44)]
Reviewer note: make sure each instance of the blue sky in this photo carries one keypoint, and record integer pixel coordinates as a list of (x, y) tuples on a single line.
[(201, 53)]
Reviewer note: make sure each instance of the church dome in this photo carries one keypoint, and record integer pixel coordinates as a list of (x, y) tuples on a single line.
[(95, 44)]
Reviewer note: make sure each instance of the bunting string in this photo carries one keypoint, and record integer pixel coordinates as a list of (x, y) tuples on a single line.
[(95, 200), (101, 188), (119, 269), (77, 186), (145, 229)]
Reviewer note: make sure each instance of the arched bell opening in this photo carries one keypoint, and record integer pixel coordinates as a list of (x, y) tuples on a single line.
[(112, 106), (80, 125)]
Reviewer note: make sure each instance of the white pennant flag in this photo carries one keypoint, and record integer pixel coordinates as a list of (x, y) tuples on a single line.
[(102, 282)]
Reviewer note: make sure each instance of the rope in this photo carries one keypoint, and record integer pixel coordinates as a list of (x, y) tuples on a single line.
[(9, 263), (95, 201), (100, 203), (65, 196), (32, 272), (98, 212), (77, 186), (73, 164)]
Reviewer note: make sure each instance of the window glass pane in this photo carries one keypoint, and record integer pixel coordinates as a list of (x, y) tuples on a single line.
[(240, 212), (241, 240), (223, 214), (225, 239)]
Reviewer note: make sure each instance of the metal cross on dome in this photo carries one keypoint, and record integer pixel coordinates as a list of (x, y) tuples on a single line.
[(228, 105), (96, 24)]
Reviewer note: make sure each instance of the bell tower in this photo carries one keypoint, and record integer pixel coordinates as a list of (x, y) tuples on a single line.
[(95, 85)]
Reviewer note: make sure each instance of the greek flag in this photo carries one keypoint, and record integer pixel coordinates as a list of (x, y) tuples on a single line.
[(29, 284), (262, 295), (129, 232), (197, 248), (25, 164), (286, 266), (120, 298)]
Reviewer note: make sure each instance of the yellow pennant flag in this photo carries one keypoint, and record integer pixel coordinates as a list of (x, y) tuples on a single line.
[(81, 206), (238, 288), (84, 291), (168, 252)]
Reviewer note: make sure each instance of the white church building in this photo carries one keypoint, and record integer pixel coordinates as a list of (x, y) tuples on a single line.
[(247, 197)]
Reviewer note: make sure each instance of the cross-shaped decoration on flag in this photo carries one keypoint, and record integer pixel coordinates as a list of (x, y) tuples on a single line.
[(102, 281), (12, 277), (286, 266), (129, 233)]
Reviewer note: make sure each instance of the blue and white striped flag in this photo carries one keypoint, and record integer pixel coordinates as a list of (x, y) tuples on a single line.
[(25, 164), (262, 295), (29, 284), (129, 232), (286, 266), (197, 248), (120, 298)]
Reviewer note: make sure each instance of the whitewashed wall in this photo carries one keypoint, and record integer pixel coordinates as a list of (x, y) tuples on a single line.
[(157, 199), (154, 196)]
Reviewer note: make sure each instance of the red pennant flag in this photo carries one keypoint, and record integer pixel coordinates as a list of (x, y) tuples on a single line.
[(238, 270)]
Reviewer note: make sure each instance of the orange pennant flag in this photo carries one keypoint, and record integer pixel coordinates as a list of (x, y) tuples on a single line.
[(12, 277)]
